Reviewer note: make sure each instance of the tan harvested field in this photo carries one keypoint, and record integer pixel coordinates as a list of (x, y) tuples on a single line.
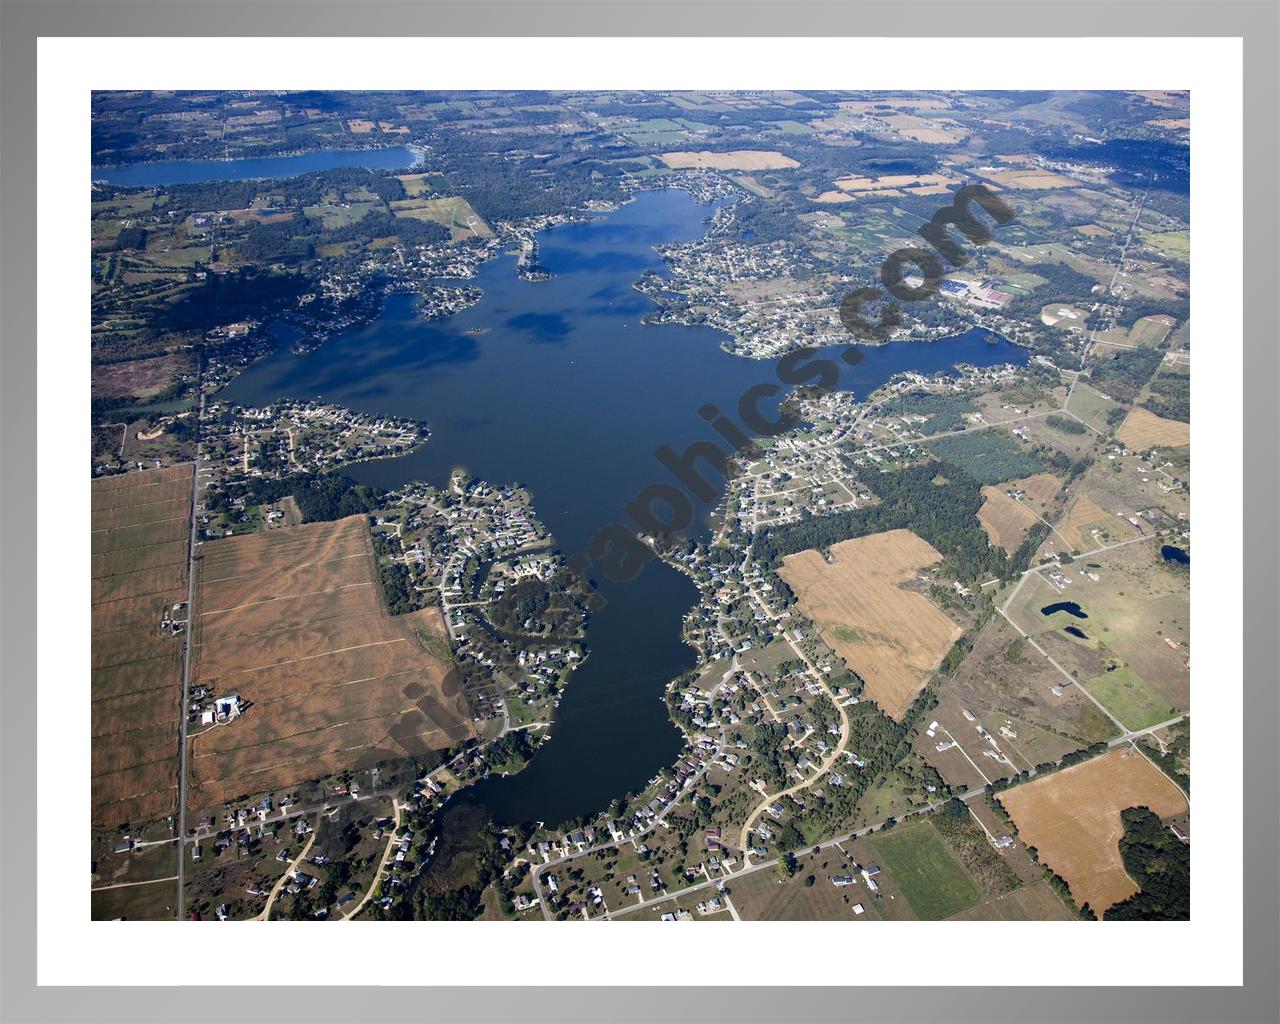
[(1028, 178), (1005, 519), (135, 537), (1008, 519), (892, 637), (1072, 818), (141, 524), (1043, 487), (1143, 429), (1084, 513), (860, 186), (1164, 97), (923, 129), (738, 160), (293, 622)]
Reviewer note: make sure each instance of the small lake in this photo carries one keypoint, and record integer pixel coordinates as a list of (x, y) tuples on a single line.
[(184, 172), (1076, 632), (1070, 607), (559, 386), (1171, 554)]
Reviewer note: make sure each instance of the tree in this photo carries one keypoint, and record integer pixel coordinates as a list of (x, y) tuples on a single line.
[(786, 866)]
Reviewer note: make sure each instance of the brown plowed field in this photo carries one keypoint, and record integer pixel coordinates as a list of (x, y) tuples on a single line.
[(293, 622), (141, 524)]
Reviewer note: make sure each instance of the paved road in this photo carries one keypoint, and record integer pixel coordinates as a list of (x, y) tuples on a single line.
[(749, 868), (1124, 249), (188, 641), (288, 872), (827, 762), (382, 864), (836, 841)]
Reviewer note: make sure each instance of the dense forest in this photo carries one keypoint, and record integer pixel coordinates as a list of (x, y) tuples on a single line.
[(1123, 375), (321, 497), (937, 500), (1170, 396), (1160, 863), (989, 456), (945, 412), (1065, 424)]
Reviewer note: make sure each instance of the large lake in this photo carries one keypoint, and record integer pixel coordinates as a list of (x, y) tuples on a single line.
[(183, 172), (557, 385)]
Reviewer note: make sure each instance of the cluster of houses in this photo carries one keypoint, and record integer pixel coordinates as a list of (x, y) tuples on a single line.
[(295, 436), (447, 538), (693, 291)]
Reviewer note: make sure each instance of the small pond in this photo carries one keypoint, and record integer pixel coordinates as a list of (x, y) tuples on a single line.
[(1070, 607)]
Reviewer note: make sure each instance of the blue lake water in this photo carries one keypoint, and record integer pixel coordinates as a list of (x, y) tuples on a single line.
[(564, 390), (182, 172)]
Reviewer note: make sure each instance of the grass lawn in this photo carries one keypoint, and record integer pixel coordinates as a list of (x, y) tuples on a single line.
[(1129, 698), (520, 712), (933, 882), (152, 902)]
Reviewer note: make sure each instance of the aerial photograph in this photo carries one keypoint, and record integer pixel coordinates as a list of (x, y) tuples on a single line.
[(590, 506)]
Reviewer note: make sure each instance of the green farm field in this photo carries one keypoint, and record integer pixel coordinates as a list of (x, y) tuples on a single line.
[(1091, 406), (1127, 696), (932, 881), (1172, 243), (452, 212)]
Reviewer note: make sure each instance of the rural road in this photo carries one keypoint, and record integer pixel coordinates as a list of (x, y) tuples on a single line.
[(288, 872), (382, 864), (827, 762), (188, 642), (826, 844)]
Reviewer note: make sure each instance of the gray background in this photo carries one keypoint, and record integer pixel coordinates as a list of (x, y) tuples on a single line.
[(21, 23)]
